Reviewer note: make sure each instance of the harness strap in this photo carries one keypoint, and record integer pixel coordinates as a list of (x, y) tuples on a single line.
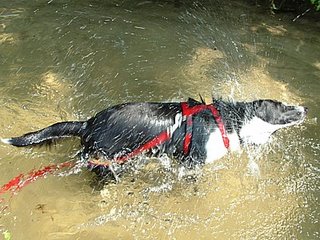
[(188, 136), (156, 141), (190, 111), (164, 136)]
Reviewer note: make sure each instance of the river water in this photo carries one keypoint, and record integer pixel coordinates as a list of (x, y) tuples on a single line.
[(67, 60)]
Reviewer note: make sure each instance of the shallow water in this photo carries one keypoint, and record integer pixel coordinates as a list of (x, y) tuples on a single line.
[(68, 60)]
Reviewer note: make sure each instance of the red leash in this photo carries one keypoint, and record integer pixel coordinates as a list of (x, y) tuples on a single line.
[(158, 140), (22, 180)]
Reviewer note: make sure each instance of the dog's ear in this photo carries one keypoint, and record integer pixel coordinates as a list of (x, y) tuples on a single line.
[(257, 104), (261, 106), (263, 109)]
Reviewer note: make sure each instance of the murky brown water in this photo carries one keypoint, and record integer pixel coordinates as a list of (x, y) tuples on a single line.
[(68, 60)]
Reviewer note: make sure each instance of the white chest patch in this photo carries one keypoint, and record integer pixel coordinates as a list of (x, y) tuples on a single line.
[(257, 131), (215, 147)]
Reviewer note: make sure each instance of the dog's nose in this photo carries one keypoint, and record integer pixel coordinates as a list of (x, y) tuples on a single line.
[(306, 109)]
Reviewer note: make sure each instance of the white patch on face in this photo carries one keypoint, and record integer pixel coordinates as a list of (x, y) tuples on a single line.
[(257, 131), (302, 110)]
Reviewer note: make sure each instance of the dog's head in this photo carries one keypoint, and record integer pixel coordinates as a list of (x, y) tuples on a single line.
[(268, 116)]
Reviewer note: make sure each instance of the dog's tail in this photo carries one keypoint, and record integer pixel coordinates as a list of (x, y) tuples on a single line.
[(55, 131)]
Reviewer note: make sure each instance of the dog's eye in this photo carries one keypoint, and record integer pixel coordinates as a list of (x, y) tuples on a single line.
[(290, 108)]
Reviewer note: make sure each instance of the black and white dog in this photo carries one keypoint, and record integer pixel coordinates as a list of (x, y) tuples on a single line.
[(192, 132)]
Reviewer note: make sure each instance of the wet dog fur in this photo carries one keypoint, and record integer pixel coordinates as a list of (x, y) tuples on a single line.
[(118, 130)]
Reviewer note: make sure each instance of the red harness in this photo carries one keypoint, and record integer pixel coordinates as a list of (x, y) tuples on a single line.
[(190, 111), (165, 136)]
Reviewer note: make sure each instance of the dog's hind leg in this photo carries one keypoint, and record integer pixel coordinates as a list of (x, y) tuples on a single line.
[(115, 175), (100, 164), (77, 165)]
